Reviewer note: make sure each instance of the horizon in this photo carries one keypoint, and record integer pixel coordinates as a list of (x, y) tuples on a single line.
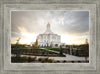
[(73, 26)]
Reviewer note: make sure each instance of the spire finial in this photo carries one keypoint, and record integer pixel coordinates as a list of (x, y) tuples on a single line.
[(48, 31), (48, 23)]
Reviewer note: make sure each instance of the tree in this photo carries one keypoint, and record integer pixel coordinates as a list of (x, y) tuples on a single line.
[(17, 45), (17, 41), (61, 50), (77, 54), (86, 41), (36, 43)]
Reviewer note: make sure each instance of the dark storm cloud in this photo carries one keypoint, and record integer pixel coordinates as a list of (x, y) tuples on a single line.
[(75, 22)]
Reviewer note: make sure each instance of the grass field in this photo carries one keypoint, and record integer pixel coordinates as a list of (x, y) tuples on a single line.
[(55, 49), (25, 47), (42, 49)]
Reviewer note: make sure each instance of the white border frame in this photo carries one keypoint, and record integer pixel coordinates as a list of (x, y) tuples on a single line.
[(46, 66)]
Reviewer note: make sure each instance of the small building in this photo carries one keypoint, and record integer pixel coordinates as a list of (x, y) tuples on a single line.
[(48, 38)]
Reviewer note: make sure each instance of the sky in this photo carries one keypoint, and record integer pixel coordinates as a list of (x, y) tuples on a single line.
[(73, 26)]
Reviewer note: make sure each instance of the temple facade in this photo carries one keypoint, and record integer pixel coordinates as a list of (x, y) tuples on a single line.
[(48, 38)]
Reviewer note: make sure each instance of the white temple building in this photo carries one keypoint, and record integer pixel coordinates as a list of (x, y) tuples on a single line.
[(48, 38)]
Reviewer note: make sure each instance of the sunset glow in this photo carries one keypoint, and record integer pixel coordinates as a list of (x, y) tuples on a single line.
[(72, 26), (28, 38)]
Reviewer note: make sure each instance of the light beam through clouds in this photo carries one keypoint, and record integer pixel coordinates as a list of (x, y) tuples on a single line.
[(73, 26)]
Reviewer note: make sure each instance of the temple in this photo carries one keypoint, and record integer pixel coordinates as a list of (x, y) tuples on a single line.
[(48, 38)]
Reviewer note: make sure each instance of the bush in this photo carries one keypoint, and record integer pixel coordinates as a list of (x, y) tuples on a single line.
[(63, 55), (79, 61), (51, 60), (43, 60), (22, 59), (34, 58), (72, 61), (39, 59), (64, 61), (57, 61), (13, 59), (17, 59), (30, 59), (46, 59), (25, 59)]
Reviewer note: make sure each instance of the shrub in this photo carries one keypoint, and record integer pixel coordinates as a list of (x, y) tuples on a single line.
[(34, 58), (46, 59), (72, 61), (64, 61), (79, 61), (39, 59), (57, 61), (51, 60), (42, 60), (16, 59), (30, 59), (25, 58), (13, 59)]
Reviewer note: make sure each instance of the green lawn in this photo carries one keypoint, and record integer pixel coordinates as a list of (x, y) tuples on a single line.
[(25, 47), (42, 49), (55, 49)]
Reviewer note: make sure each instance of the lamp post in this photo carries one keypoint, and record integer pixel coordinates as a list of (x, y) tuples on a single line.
[(71, 49), (17, 47)]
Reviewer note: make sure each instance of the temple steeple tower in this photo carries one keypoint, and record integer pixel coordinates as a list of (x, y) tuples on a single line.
[(48, 30), (48, 38), (48, 26)]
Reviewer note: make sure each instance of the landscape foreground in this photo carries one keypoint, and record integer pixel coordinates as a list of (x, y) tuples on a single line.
[(22, 53)]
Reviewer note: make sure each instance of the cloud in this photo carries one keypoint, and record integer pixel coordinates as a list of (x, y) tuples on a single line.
[(75, 22), (62, 22)]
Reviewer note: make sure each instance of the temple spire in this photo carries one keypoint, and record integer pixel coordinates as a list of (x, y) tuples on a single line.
[(48, 23), (48, 26), (48, 31)]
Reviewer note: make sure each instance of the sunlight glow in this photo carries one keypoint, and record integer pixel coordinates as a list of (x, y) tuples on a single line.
[(72, 26), (70, 39), (27, 38), (73, 39)]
